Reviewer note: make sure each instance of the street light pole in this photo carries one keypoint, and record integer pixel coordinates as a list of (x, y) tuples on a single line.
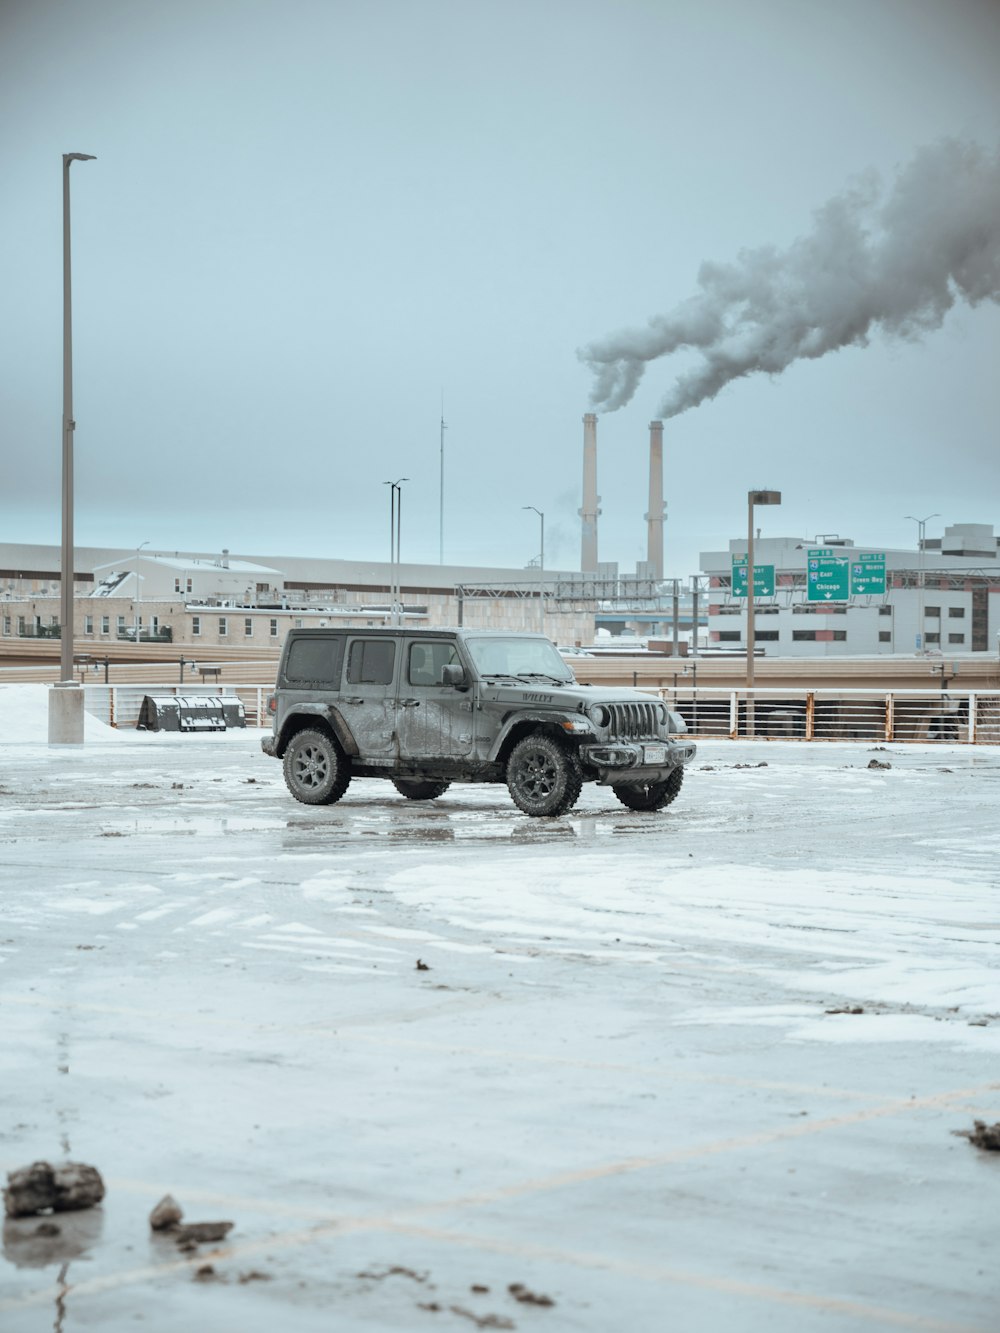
[(395, 526), (753, 498), (68, 426), (920, 645), (541, 561), (138, 593)]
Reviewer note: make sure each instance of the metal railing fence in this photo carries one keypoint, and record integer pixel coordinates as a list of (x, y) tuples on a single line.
[(957, 717), (962, 717)]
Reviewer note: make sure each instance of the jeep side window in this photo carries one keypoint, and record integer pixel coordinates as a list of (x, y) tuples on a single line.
[(371, 662), (315, 662), (427, 662)]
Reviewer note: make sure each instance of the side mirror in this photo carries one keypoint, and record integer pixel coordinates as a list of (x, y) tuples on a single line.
[(453, 674)]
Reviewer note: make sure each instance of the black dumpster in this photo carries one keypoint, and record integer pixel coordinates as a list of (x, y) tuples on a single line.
[(194, 712)]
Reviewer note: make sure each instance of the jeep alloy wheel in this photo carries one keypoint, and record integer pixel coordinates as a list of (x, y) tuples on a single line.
[(543, 778), (317, 771)]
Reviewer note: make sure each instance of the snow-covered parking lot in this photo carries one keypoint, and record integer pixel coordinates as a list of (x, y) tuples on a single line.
[(690, 1071)]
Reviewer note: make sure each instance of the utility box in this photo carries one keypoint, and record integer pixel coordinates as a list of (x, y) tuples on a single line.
[(195, 712)]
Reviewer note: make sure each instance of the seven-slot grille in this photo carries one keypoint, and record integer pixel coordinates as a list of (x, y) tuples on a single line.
[(633, 722)]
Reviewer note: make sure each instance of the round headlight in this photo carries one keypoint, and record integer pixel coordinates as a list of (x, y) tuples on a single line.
[(599, 715)]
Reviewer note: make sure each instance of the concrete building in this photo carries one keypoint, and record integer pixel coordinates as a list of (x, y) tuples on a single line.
[(943, 598)]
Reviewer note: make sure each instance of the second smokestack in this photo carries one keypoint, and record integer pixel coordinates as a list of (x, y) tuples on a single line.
[(654, 518), (591, 500)]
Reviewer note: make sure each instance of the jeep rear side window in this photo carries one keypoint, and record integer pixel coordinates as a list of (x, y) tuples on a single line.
[(428, 660), (371, 662), (315, 662)]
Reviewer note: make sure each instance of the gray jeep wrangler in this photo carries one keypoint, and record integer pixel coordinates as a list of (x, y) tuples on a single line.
[(425, 708)]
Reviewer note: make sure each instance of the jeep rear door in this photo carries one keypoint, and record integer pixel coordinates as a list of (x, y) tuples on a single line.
[(368, 697)]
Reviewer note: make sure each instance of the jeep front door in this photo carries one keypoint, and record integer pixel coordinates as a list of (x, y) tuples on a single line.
[(434, 720)]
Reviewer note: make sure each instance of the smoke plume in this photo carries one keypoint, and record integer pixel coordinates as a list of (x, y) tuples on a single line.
[(891, 262)]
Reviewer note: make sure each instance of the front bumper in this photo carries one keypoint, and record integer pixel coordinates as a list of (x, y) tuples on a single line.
[(267, 745), (636, 761)]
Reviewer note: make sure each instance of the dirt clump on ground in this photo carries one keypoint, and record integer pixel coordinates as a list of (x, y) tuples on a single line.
[(982, 1135), (41, 1187)]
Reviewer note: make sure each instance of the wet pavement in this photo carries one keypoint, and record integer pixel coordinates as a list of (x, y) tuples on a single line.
[(422, 1053)]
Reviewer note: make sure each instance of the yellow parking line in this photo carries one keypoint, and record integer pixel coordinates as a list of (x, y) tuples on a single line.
[(685, 1277)]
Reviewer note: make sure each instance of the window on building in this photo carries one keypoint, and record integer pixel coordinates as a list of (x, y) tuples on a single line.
[(189, 585), (934, 612), (248, 627), (274, 629), (223, 626), (729, 636), (885, 636), (6, 624), (769, 635), (177, 585), (885, 610), (956, 638), (21, 626), (839, 635), (730, 611), (766, 610), (121, 625), (195, 625), (105, 624), (956, 612), (804, 635), (88, 624), (932, 638), (154, 624)]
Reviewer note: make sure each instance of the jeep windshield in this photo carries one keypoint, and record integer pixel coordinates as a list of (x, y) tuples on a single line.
[(520, 658)]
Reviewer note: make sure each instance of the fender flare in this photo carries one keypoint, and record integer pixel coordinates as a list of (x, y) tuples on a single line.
[(516, 720), (323, 713)]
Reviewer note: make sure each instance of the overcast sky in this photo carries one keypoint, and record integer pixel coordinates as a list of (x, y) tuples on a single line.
[(307, 218)]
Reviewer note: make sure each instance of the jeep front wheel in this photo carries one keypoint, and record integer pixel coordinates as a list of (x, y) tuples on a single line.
[(317, 771), (651, 795), (543, 778), (415, 789)]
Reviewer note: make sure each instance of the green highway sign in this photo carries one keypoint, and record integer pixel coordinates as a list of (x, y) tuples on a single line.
[(827, 575), (868, 573), (763, 578)]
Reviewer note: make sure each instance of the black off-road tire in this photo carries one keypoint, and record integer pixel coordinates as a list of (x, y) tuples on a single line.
[(317, 772), (420, 789), (543, 777), (650, 795)]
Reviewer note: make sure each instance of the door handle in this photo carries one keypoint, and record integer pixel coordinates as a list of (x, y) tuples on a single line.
[(353, 701), (410, 703)]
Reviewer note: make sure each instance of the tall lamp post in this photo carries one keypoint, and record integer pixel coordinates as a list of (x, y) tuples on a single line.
[(753, 498), (138, 593), (921, 529), (66, 710), (395, 528), (541, 561)]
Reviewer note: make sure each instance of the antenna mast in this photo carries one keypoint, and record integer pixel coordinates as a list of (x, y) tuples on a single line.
[(441, 497)]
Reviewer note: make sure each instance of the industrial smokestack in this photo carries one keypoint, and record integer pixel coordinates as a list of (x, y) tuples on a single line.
[(654, 519), (591, 500)]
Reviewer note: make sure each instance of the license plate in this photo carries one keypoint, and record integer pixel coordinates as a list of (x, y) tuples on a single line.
[(654, 754)]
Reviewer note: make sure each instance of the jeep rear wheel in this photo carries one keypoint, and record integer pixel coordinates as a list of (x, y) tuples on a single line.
[(415, 789), (650, 795), (317, 771), (543, 778)]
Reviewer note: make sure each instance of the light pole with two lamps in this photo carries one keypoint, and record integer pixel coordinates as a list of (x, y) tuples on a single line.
[(138, 593), (541, 562), (395, 527)]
